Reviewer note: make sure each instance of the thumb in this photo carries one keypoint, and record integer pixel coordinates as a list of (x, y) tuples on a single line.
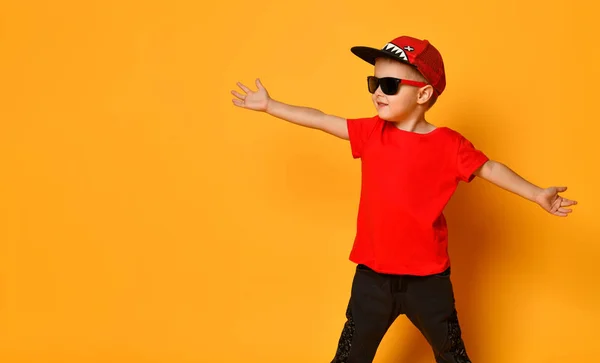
[(259, 84), (561, 189)]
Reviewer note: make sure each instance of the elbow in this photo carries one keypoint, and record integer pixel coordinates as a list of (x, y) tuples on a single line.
[(485, 171)]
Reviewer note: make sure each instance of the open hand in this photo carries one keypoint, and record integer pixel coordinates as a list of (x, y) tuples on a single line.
[(553, 203), (253, 100)]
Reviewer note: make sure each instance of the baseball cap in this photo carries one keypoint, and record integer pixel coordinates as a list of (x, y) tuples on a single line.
[(418, 53)]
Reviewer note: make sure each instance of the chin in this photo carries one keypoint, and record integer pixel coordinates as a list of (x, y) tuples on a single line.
[(385, 115)]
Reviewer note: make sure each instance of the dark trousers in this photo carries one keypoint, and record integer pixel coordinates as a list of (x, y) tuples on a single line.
[(376, 301)]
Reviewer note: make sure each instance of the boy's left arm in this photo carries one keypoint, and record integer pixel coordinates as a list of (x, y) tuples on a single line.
[(502, 176)]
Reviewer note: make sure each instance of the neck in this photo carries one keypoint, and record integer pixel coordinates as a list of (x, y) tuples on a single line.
[(417, 125)]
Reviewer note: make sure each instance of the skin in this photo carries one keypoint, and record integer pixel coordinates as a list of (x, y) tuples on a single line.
[(406, 110)]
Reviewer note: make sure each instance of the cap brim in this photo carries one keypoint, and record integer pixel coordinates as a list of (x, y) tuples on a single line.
[(369, 55)]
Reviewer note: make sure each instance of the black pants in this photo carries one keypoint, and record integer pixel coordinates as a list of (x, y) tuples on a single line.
[(376, 301)]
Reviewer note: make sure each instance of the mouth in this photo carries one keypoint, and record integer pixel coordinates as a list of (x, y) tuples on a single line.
[(381, 104)]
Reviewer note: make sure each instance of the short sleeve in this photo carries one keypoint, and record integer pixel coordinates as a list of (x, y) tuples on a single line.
[(468, 160), (359, 132)]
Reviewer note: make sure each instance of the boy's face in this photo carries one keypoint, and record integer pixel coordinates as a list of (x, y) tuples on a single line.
[(402, 105)]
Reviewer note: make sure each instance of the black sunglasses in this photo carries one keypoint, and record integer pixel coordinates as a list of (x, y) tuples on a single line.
[(390, 85)]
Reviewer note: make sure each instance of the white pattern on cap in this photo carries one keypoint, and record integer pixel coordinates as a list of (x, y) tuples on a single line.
[(393, 48)]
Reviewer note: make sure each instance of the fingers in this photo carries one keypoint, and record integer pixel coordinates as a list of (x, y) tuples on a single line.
[(238, 95), (556, 204), (567, 202), (244, 88), (564, 210)]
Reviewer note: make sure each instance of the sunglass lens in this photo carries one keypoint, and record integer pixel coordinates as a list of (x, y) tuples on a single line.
[(389, 86), (373, 83)]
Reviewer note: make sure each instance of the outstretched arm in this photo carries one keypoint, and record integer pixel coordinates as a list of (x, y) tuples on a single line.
[(260, 100), (502, 176)]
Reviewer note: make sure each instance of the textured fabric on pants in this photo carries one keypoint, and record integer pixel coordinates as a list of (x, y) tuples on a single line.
[(376, 300)]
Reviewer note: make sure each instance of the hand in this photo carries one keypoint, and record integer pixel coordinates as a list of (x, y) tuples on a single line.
[(257, 101), (553, 203)]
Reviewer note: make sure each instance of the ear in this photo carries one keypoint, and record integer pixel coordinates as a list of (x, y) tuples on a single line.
[(424, 95)]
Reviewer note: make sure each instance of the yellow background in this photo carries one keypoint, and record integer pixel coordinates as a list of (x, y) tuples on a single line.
[(144, 218)]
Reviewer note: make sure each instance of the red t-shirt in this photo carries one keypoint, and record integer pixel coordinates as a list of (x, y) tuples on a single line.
[(407, 180)]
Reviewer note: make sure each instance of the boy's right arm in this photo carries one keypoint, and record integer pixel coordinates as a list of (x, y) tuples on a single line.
[(304, 116), (309, 117)]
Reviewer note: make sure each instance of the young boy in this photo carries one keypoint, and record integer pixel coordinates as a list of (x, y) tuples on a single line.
[(410, 169)]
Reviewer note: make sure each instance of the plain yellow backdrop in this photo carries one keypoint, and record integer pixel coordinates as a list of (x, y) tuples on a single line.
[(144, 218)]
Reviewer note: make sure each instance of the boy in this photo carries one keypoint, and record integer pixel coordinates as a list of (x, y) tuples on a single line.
[(410, 169)]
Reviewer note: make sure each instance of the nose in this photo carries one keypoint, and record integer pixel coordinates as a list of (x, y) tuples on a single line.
[(378, 91)]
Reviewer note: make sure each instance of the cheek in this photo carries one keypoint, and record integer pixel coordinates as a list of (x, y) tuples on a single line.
[(401, 101), (398, 107), (397, 103), (374, 97)]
